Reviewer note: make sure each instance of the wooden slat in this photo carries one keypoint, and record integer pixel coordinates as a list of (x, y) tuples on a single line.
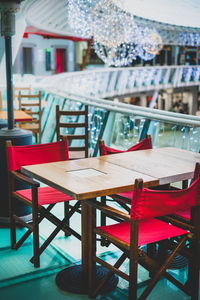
[(75, 137), (30, 104), (29, 96), (72, 113), (35, 124), (71, 125), (77, 148)]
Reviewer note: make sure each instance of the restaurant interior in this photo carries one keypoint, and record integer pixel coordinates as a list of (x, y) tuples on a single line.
[(100, 149)]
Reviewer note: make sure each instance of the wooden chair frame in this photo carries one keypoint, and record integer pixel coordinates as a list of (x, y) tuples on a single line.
[(34, 100), (137, 256), (73, 126), (38, 214), (20, 89)]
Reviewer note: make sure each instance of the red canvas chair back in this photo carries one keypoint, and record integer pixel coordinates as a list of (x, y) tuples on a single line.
[(147, 203), (142, 145), (18, 156)]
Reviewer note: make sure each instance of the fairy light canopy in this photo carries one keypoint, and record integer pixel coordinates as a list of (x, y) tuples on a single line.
[(146, 25), (117, 40)]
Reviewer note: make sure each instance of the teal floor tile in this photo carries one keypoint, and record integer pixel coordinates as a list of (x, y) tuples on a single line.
[(18, 277)]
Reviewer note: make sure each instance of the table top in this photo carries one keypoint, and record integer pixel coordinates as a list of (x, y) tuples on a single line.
[(19, 115), (87, 178), (168, 164), (107, 175)]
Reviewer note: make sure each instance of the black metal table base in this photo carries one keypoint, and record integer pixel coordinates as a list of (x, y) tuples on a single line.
[(72, 280), (178, 262)]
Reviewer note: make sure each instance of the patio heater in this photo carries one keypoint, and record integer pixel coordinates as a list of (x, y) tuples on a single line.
[(8, 8)]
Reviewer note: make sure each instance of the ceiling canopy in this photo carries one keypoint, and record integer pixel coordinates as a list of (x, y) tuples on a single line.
[(175, 12)]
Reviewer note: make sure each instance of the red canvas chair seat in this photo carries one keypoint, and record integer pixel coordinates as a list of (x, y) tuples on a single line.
[(150, 231), (46, 195)]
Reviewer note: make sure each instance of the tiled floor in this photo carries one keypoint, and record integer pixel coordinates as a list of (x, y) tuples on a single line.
[(19, 279)]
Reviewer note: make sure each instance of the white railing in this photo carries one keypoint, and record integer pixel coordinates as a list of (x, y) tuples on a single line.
[(110, 82)]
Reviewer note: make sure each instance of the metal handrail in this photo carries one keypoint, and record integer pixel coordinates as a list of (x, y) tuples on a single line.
[(127, 109)]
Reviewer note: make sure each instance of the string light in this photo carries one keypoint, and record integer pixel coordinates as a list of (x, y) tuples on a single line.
[(110, 24), (79, 16), (122, 55)]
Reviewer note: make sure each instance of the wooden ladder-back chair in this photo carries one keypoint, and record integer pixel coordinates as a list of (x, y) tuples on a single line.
[(32, 104), (37, 197), (76, 125), (23, 90), (148, 223), (69, 120)]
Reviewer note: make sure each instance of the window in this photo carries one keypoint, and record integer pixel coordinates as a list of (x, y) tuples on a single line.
[(48, 59)]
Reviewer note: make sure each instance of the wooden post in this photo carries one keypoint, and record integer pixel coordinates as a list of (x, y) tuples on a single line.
[(87, 53)]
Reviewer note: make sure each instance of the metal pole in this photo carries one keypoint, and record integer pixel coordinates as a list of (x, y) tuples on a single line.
[(9, 77)]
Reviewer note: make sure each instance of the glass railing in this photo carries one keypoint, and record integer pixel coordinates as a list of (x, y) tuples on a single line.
[(109, 82), (119, 124), (122, 125)]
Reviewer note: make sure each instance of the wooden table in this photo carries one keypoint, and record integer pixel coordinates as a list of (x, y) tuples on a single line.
[(94, 176), (85, 179), (167, 164), (106, 175), (19, 116)]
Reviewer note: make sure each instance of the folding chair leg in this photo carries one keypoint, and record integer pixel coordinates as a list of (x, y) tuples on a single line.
[(11, 212), (152, 252), (133, 263), (36, 138), (49, 239), (162, 251), (103, 220), (66, 215), (162, 269), (36, 242), (133, 270), (36, 245), (12, 231), (92, 252), (193, 272)]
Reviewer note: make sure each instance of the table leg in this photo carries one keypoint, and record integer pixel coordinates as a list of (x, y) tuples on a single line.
[(75, 279), (84, 237)]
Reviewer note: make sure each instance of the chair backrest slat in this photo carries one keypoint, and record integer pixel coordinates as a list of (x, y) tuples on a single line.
[(32, 105), (77, 130)]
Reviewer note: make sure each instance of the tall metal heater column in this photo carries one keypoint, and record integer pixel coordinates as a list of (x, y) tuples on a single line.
[(16, 135)]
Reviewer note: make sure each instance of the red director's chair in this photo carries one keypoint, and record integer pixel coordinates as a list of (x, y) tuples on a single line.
[(37, 197), (145, 226)]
